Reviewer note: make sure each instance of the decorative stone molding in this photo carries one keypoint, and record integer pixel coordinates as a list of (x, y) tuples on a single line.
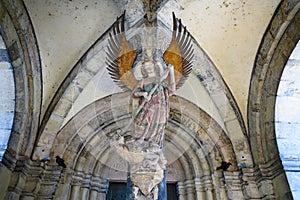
[(9, 160), (278, 42), (50, 179), (194, 137), (234, 184), (100, 185), (181, 191), (87, 186), (25, 180), (271, 169)]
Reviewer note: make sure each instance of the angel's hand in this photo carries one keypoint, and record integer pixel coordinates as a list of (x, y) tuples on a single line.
[(140, 94), (172, 75), (144, 94), (165, 75), (147, 96), (171, 67)]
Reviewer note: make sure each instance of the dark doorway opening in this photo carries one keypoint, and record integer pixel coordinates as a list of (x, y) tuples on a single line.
[(117, 191)]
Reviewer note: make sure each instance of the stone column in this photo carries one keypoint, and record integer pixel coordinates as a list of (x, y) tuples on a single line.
[(16, 186), (64, 185), (103, 183), (76, 185), (85, 186), (181, 191), (234, 182), (252, 188), (190, 189), (25, 180), (93, 194), (50, 178), (223, 193), (75, 192), (218, 182), (95, 187), (17, 178), (208, 187), (5, 177), (98, 188), (33, 172), (200, 194)]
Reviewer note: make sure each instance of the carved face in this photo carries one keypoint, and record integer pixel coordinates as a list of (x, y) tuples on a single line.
[(149, 69)]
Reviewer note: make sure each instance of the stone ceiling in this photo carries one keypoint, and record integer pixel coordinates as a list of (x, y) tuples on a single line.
[(224, 112), (228, 31)]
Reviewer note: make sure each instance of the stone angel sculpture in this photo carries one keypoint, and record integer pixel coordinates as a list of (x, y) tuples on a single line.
[(160, 78)]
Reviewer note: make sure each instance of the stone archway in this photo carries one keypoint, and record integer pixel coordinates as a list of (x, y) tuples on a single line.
[(197, 140), (92, 64), (19, 37), (277, 44)]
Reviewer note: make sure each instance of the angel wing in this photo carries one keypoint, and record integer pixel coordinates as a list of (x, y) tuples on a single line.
[(120, 56), (180, 52)]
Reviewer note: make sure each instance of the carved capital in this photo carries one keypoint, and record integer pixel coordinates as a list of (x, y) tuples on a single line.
[(25, 179), (98, 184), (271, 169), (50, 178)]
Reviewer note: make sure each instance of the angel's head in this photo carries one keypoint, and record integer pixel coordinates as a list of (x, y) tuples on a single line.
[(150, 69)]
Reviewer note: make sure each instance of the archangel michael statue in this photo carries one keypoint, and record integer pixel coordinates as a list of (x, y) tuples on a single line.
[(141, 143)]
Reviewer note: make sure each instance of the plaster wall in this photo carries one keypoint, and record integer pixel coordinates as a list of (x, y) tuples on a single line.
[(239, 27), (65, 30)]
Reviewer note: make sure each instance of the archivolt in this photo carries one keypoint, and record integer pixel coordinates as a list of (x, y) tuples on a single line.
[(279, 40), (19, 37), (193, 139)]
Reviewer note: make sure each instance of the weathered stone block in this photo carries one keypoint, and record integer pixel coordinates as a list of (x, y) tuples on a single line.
[(83, 78), (84, 132), (63, 107), (267, 43), (96, 62), (5, 176), (54, 123)]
